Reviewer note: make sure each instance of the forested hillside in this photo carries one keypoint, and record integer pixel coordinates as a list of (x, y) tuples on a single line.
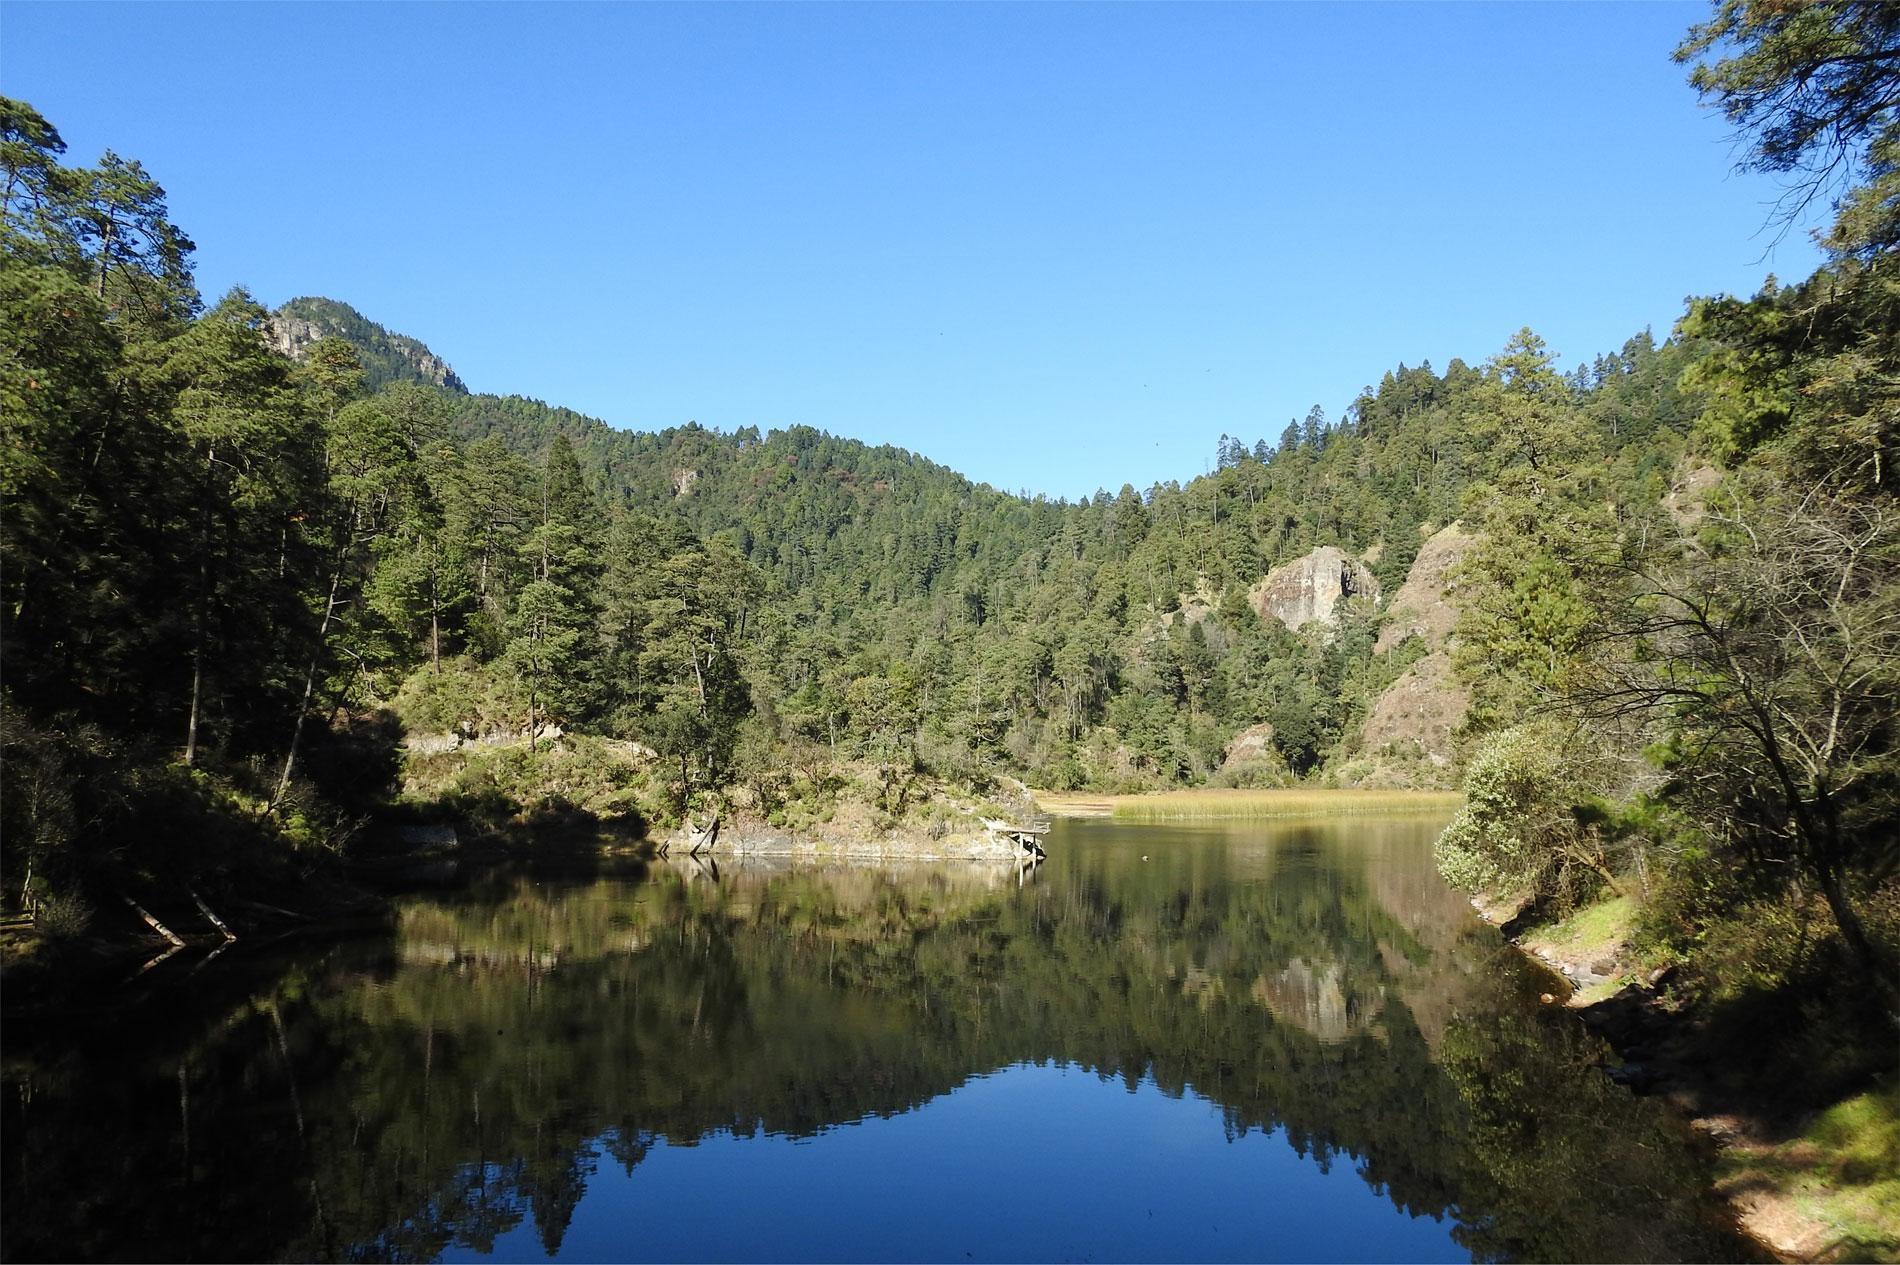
[(1118, 642), (237, 579)]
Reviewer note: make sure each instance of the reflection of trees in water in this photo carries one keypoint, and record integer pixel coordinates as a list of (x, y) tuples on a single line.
[(1559, 1162), (476, 1072)]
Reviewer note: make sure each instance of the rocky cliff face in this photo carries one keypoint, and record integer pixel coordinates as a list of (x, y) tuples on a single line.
[(1422, 606), (291, 335), (1310, 589), (387, 357), (1407, 736), (1408, 732), (1688, 493)]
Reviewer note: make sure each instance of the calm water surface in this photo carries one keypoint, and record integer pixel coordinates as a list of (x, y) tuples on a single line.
[(1244, 1042)]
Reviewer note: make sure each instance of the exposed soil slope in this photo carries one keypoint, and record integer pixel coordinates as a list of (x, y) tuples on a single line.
[(1407, 736)]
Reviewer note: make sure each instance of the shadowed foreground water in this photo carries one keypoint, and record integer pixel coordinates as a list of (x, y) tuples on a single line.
[(1246, 1042)]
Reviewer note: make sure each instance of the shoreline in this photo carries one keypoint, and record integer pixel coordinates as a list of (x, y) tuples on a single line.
[(37, 973), (898, 846), (1623, 1012)]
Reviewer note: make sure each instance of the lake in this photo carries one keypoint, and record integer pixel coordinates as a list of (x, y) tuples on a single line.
[(1283, 1041)]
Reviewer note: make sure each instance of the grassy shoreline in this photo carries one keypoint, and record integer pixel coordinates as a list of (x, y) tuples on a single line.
[(1220, 804), (1815, 1183)]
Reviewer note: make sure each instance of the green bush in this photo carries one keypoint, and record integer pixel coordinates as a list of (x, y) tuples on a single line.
[(464, 697), (952, 760), (1522, 828)]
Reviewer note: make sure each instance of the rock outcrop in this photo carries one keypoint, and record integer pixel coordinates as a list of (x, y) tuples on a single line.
[(1310, 589), (1252, 743), (1407, 736), (1422, 606), (1688, 493), (1415, 718), (1252, 750), (386, 356)]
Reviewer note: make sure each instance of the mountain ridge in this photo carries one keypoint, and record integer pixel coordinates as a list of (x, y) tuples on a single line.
[(386, 355)]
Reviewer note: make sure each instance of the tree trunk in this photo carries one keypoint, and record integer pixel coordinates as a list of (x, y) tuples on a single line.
[(1872, 958), (202, 614), (197, 666), (172, 937), (1596, 865), (197, 685), (309, 686), (105, 261)]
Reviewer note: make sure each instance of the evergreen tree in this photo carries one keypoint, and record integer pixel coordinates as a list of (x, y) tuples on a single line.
[(256, 451)]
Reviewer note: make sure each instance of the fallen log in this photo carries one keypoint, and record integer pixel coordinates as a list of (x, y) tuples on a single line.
[(213, 919), (702, 838), (274, 909), (176, 940)]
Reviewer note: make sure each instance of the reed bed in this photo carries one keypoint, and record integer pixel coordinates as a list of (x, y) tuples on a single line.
[(1217, 804)]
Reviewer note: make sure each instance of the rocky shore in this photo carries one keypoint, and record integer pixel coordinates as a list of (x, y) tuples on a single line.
[(749, 838)]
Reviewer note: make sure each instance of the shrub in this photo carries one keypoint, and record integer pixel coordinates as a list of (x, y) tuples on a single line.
[(63, 916), (1525, 826), (464, 696), (952, 760)]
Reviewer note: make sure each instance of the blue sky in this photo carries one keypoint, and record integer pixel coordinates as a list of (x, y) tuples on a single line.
[(1057, 247)]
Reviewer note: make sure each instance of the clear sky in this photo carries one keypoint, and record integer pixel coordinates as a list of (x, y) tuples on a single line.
[(1057, 247)]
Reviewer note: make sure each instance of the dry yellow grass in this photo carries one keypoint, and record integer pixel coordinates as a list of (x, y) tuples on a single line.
[(1215, 804)]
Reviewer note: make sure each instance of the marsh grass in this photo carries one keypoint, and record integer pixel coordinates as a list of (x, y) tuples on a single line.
[(1216, 804)]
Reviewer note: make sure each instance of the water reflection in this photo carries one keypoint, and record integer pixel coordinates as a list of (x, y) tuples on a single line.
[(517, 1052)]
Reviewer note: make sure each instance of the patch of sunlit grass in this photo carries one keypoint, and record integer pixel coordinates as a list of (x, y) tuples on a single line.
[(1842, 1173), (1596, 931)]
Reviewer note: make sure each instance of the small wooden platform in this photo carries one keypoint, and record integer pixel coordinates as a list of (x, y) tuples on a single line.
[(1028, 836)]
